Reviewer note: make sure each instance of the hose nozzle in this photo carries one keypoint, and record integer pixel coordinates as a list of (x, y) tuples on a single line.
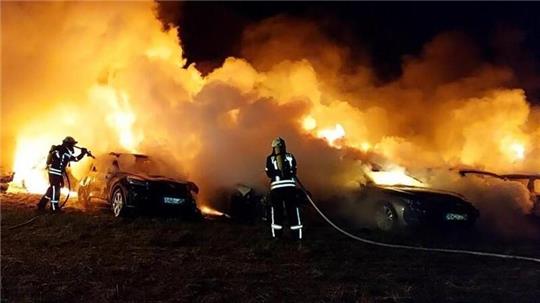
[(88, 152)]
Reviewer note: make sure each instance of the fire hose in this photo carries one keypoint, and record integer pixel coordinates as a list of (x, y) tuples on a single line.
[(61, 206), (40, 215), (409, 247)]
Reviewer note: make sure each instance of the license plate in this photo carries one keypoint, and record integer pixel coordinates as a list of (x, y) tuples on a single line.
[(456, 217), (171, 200)]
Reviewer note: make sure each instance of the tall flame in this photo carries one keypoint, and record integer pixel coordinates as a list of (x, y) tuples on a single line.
[(121, 117), (394, 176), (120, 82)]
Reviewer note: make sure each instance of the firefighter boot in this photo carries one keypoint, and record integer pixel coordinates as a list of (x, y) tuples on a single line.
[(55, 208), (42, 203)]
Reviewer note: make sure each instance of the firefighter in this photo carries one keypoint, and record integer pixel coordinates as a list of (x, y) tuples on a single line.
[(57, 161), (281, 169)]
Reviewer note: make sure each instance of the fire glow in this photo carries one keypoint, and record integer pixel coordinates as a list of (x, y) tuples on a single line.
[(519, 151), (395, 176), (132, 89)]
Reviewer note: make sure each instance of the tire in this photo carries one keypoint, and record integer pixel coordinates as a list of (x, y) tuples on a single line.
[(386, 217), (118, 202)]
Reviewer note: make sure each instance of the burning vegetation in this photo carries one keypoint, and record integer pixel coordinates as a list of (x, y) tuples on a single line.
[(110, 75)]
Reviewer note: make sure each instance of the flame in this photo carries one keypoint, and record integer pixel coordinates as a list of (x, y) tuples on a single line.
[(31, 152), (332, 135), (121, 82), (519, 150), (365, 146), (394, 176), (121, 118), (209, 211), (309, 123), (29, 167)]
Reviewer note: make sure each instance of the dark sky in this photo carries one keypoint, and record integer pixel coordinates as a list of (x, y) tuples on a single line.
[(211, 31)]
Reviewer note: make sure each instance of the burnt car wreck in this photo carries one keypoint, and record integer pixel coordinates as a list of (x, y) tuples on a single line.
[(397, 207), (130, 183)]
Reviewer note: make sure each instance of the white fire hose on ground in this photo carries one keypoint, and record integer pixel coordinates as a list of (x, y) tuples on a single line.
[(44, 214), (420, 248)]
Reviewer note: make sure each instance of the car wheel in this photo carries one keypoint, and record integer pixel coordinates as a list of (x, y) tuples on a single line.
[(386, 217), (118, 202)]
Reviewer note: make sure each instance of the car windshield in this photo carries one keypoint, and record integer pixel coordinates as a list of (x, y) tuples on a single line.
[(140, 165)]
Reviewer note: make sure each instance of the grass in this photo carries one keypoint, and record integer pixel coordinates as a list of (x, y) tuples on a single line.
[(90, 256)]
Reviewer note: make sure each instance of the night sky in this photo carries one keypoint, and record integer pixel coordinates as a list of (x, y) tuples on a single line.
[(212, 31)]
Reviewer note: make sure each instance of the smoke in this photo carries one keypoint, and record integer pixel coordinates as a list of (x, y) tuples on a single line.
[(111, 75), (502, 204)]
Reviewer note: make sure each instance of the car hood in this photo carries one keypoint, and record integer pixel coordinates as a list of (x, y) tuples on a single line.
[(152, 178), (422, 193)]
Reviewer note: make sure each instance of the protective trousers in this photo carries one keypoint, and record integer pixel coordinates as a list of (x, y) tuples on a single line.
[(284, 199), (53, 192)]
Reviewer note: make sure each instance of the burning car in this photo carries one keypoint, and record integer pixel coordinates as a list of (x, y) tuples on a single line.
[(530, 181), (128, 182), (397, 202)]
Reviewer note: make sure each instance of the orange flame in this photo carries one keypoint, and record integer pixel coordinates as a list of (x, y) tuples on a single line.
[(209, 211), (332, 135), (394, 176), (30, 167)]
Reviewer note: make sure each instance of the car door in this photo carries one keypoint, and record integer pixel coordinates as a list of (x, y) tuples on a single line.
[(92, 180), (111, 171), (99, 179)]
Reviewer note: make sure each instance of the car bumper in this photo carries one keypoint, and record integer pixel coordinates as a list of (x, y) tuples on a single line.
[(450, 217), (150, 202)]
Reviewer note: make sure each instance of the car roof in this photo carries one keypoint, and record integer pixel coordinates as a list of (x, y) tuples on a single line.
[(463, 172), (522, 176), (128, 154)]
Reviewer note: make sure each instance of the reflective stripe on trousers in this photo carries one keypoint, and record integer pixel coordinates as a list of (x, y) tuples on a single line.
[(299, 226), (54, 203), (274, 226)]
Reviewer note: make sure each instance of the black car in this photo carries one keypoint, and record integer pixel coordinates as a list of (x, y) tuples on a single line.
[(394, 206), (129, 182)]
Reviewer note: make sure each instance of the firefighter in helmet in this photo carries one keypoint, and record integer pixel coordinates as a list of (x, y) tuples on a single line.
[(57, 161), (281, 169)]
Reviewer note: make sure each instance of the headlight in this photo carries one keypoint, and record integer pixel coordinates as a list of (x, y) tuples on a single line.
[(134, 181)]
